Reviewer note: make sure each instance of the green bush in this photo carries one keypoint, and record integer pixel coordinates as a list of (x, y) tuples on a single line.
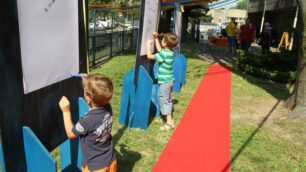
[(279, 67)]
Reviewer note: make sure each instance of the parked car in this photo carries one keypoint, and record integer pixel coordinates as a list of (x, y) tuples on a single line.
[(132, 27), (100, 25), (91, 26)]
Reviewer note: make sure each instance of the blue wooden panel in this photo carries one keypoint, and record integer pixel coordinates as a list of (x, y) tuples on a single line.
[(65, 155), (184, 68), (154, 110), (37, 156), (179, 70), (83, 109), (155, 70), (2, 164), (142, 100), (177, 66), (136, 100), (127, 98), (70, 150)]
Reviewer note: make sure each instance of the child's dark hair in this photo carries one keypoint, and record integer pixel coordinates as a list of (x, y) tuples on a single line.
[(98, 88), (171, 40)]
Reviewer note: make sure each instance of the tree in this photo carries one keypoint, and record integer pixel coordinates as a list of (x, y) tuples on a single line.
[(242, 4), (297, 102)]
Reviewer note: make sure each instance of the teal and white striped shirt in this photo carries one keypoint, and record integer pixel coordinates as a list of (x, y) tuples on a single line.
[(165, 70)]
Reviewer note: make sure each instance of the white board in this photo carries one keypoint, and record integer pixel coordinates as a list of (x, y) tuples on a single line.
[(178, 23), (150, 22), (49, 41)]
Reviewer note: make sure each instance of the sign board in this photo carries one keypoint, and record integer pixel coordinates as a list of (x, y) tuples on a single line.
[(150, 23), (49, 41), (178, 24)]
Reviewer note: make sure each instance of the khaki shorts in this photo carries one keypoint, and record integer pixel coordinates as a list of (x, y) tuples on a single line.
[(111, 168), (165, 100)]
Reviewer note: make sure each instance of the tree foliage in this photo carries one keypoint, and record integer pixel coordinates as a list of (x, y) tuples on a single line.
[(242, 4)]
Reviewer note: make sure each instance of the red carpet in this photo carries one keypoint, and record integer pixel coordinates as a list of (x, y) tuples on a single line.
[(201, 142)]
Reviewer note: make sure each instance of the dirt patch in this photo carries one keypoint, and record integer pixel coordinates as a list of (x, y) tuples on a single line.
[(256, 112)]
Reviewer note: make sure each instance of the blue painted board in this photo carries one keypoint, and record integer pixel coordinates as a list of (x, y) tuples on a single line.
[(179, 71), (65, 155), (184, 68), (142, 100), (136, 99), (155, 70), (155, 91), (2, 164), (37, 156), (127, 98), (83, 109), (154, 99), (70, 150)]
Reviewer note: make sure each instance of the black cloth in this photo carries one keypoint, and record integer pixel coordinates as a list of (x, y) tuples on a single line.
[(94, 130)]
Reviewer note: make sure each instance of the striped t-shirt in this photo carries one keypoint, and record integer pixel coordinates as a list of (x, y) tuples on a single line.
[(165, 70)]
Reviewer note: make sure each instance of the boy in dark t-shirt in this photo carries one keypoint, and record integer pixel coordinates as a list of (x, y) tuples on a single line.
[(94, 129)]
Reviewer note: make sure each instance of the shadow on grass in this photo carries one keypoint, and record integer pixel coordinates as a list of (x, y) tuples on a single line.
[(233, 159), (125, 157)]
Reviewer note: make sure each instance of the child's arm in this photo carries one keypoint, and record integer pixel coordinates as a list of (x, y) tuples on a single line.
[(65, 107), (157, 43), (149, 53)]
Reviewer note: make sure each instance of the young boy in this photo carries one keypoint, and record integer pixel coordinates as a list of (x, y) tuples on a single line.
[(165, 74), (94, 129)]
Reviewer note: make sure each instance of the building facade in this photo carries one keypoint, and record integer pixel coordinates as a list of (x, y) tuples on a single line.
[(223, 16), (279, 13)]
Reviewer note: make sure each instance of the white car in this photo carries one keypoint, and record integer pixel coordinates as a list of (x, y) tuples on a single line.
[(91, 26), (132, 27), (100, 25)]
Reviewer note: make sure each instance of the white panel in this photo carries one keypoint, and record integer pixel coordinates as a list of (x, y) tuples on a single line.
[(150, 22), (49, 41), (178, 23)]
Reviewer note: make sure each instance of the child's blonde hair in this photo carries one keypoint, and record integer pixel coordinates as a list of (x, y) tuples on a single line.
[(98, 88), (171, 40)]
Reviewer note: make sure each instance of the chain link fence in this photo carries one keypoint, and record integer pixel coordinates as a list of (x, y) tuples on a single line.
[(105, 45)]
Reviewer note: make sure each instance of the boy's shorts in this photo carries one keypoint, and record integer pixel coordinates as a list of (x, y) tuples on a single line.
[(111, 168), (165, 101)]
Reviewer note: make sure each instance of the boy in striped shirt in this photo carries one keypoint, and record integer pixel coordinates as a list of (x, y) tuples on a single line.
[(165, 76)]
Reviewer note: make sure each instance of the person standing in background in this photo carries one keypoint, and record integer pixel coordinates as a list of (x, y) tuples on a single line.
[(231, 35), (265, 38), (247, 35)]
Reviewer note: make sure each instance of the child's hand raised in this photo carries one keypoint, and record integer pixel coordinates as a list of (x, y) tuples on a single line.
[(64, 104), (155, 35)]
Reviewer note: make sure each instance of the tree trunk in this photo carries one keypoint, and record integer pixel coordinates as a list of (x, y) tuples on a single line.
[(298, 100)]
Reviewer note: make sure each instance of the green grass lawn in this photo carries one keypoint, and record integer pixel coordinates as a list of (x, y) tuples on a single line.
[(262, 137), (279, 145)]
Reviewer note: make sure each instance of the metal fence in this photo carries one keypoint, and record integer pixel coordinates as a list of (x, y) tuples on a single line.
[(103, 45)]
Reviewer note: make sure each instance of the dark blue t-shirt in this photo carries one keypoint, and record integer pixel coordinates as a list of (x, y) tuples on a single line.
[(94, 130)]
